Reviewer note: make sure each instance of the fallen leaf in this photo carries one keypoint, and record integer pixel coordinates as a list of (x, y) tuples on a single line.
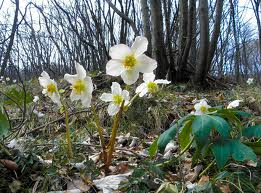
[(203, 180), (11, 165)]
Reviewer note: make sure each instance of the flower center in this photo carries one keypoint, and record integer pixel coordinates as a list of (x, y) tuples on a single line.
[(79, 86), (152, 87), (117, 99), (203, 109), (129, 62), (51, 88)]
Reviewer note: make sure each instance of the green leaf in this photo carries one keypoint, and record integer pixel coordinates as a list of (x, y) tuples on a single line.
[(184, 136), (241, 152), (167, 187), (166, 136), (4, 124), (153, 148), (17, 96), (256, 146), (203, 124), (201, 127), (254, 131), (221, 151)]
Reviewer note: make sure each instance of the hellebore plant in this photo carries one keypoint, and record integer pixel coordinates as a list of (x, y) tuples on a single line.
[(127, 62), (212, 130)]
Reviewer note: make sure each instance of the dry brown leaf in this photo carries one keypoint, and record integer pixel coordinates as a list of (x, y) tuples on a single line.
[(11, 165), (225, 188), (203, 180)]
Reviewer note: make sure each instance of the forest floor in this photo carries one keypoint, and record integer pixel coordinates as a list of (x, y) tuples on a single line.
[(38, 160)]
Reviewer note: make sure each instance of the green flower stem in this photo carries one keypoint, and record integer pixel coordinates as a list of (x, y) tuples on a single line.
[(100, 131), (7, 152), (133, 98), (209, 166), (68, 137), (113, 136), (168, 162)]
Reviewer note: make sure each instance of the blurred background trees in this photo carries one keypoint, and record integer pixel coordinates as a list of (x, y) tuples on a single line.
[(195, 40)]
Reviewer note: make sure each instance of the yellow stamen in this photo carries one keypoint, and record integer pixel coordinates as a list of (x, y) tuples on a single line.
[(51, 88), (117, 99), (129, 62), (203, 109), (79, 86), (152, 87)]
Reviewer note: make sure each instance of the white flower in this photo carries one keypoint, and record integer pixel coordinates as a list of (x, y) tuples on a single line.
[(12, 144), (14, 81), (7, 79), (150, 85), (36, 98), (82, 86), (128, 62), (250, 81), (50, 88), (201, 107), (234, 104), (115, 98)]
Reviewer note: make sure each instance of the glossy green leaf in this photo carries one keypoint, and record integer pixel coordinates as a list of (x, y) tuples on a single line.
[(184, 135), (166, 136), (4, 124), (254, 131), (241, 152), (203, 124), (153, 148), (221, 151)]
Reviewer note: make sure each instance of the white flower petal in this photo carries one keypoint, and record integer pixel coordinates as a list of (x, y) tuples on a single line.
[(71, 78), (36, 98), (161, 81), (106, 97), (234, 104), (144, 92), (89, 84), (74, 96), (139, 46), (126, 95), (149, 77), (120, 51), (81, 72), (116, 88), (113, 109), (86, 99), (114, 67), (140, 88), (130, 76), (45, 75), (56, 98), (146, 64)]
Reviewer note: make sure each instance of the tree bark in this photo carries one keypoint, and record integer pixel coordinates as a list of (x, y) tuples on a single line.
[(11, 42), (201, 69), (237, 56), (146, 24), (215, 34), (158, 47)]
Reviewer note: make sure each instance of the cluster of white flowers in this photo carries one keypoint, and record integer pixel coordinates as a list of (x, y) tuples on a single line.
[(127, 62)]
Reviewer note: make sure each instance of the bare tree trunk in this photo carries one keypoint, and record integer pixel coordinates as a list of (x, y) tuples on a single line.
[(201, 70), (215, 34), (256, 5), (158, 47), (237, 56), (146, 23), (11, 42), (193, 49)]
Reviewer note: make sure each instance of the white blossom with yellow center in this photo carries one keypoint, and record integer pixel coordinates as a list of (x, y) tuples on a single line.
[(115, 98), (128, 62), (82, 86), (201, 107), (50, 87), (234, 104), (150, 85)]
